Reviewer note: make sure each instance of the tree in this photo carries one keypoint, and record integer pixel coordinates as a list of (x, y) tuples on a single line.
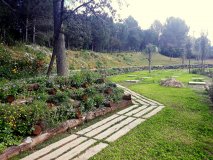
[(150, 49), (204, 46), (157, 27), (149, 36), (188, 49), (172, 40), (134, 34), (24, 16), (60, 14)]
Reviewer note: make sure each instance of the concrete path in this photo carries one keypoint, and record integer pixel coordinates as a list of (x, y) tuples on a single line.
[(89, 141)]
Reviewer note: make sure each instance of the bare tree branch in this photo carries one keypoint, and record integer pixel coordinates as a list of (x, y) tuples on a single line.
[(77, 8), (8, 5), (84, 4)]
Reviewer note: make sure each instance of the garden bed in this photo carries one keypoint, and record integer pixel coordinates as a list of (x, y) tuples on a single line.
[(29, 143), (44, 107)]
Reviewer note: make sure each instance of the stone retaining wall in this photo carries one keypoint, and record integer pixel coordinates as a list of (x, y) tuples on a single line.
[(115, 71)]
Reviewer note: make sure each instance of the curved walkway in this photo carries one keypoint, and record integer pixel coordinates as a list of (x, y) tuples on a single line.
[(91, 140)]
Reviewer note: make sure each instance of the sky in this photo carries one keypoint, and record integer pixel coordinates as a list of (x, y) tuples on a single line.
[(198, 14)]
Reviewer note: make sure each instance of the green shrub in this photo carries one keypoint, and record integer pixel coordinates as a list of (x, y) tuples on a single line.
[(99, 100), (16, 122), (88, 105), (117, 94), (62, 113)]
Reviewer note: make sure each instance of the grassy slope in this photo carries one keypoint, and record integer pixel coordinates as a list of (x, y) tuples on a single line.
[(88, 59), (78, 59), (183, 130)]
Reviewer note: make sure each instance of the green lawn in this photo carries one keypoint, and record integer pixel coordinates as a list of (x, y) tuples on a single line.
[(182, 130)]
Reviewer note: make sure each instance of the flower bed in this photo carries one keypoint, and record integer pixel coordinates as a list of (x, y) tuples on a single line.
[(35, 106)]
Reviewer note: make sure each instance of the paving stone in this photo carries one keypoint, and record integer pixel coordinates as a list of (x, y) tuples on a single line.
[(197, 83), (146, 77), (152, 113), (132, 76), (124, 130), (135, 110), (142, 102), (145, 101), (91, 151), (127, 109), (114, 128), (75, 151), (49, 148), (63, 149), (132, 81), (134, 102), (105, 126), (139, 114), (100, 123)]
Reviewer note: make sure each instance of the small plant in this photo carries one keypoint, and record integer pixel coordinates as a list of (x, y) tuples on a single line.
[(88, 105), (62, 113), (99, 100)]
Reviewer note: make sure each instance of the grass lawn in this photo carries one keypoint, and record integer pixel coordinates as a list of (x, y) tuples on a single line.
[(182, 130)]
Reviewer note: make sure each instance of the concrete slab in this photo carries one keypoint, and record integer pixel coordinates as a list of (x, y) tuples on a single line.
[(124, 130), (49, 148), (114, 128), (132, 81), (139, 114), (91, 151), (64, 149), (197, 83), (96, 125), (75, 151), (127, 109), (136, 110), (152, 113), (105, 126)]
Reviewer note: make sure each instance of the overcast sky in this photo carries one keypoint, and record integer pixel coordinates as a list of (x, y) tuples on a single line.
[(198, 14)]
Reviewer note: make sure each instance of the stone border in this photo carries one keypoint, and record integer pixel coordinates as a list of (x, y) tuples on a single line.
[(117, 70), (15, 150)]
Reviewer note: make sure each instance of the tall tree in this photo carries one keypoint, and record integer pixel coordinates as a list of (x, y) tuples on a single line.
[(188, 49), (59, 11), (157, 27), (204, 46), (172, 40), (150, 49)]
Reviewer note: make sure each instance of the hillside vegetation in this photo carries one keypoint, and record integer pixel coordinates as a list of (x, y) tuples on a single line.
[(26, 60)]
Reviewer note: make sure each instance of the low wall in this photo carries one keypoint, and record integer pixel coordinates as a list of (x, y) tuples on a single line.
[(115, 71)]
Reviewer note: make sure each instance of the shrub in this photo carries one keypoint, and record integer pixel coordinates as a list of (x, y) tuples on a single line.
[(99, 100), (16, 122), (88, 105), (62, 113), (117, 95)]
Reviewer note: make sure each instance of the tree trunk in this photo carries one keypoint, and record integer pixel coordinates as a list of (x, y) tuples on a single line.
[(189, 65), (202, 64), (34, 30), (51, 65), (61, 63), (183, 59), (59, 41), (26, 30), (150, 60)]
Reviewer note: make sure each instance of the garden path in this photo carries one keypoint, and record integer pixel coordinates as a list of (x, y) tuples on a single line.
[(89, 141)]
